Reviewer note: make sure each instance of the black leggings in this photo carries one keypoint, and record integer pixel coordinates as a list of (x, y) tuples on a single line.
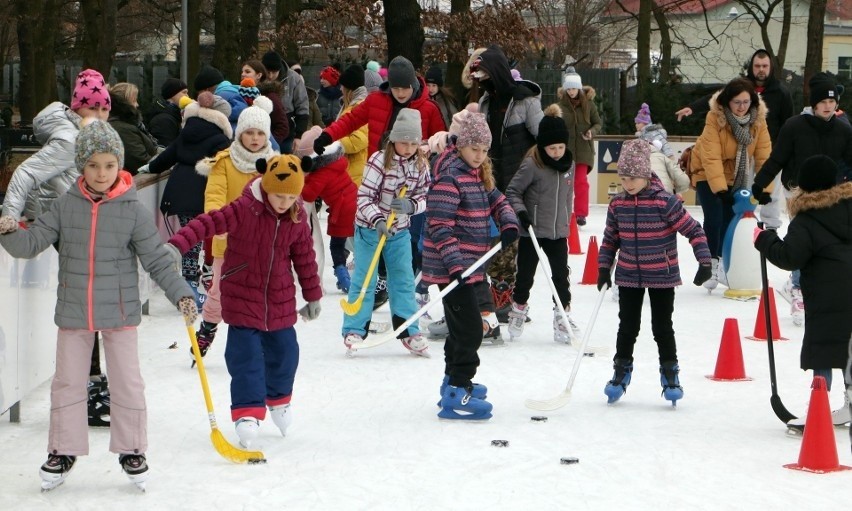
[(630, 318), (557, 253), (464, 322)]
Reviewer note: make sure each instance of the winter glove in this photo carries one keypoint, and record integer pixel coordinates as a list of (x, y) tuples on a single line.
[(8, 224), (524, 219), (759, 195), (604, 279), (458, 277), (176, 257), (726, 196), (382, 229), (186, 306), (705, 271), (508, 236), (144, 169), (323, 140), (402, 206), (310, 311)]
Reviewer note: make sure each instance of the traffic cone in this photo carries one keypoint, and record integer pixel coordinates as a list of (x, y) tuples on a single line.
[(819, 449), (729, 361), (590, 272), (574, 237), (760, 324)]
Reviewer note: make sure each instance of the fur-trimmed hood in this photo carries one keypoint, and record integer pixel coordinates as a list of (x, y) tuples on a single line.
[(822, 199), (208, 114), (722, 121), (588, 91)]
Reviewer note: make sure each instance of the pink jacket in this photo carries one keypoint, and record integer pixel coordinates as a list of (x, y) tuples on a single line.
[(258, 290)]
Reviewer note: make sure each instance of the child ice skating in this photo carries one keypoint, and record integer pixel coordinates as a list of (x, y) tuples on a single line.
[(641, 226), (541, 194), (652, 133), (101, 228), (398, 166), (269, 239), (458, 209)]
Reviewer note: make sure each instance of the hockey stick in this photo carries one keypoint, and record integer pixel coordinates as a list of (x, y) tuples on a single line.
[(544, 262), (373, 341), (775, 400), (222, 446), (563, 398), (350, 309)]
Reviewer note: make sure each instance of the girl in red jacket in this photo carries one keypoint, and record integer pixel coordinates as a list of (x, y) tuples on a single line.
[(268, 233)]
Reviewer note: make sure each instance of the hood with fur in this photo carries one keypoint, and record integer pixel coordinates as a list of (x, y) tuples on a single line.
[(720, 114)]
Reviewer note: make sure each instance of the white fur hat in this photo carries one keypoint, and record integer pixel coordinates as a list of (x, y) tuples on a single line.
[(256, 116)]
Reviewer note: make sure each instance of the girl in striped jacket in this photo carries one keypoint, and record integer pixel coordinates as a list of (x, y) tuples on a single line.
[(642, 224)]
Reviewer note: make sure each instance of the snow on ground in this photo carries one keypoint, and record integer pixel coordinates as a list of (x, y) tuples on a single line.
[(366, 435)]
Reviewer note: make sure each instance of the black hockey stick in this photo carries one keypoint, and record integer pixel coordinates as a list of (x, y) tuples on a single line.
[(775, 400)]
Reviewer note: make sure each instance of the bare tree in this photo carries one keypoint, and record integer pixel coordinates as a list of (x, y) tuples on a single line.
[(816, 30), (643, 48), (761, 11), (457, 43), (98, 34), (38, 24), (571, 27), (404, 30), (226, 55)]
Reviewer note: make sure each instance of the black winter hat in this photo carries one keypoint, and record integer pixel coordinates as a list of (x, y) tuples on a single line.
[(823, 86), (435, 75), (208, 77), (401, 73), (272, 61), (352, 77), (552, 128), (818, 173), (171, 87)]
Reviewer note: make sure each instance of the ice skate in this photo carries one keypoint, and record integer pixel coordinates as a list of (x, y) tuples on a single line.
[(282, 416), (247, 430), (491, 329), (136, 468), (205, 335), (457, 403), (343, 279), (517, 316), (417, 345), (839, 418), (711, 283), (422, 299), (351, 341), (617, 386), (199, 297), (563, 333), (381, 293), (55, 470), (672, 390), (438, 329), (98, 403), (501, 292), (478, 390), (797, 306)]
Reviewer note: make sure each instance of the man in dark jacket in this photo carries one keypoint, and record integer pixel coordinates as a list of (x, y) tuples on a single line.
[(295, 97), (164, 117)]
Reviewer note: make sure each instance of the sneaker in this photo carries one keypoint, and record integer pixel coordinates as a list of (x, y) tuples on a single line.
[(457, 403), (205, 335), (381, 296), (617, 386), (247, 430), (422, 300), (55, 470), (352, 340), (797, 306), (417, 345), (517, 316), (711, 283), (581, 221), (491, 329), (672, 390), (343, 280), (282, 416), (563, 333), (135, 466), (438, 329)]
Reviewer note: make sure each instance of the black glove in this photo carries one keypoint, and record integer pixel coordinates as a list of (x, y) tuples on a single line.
[(703, 274), (726, 196), (323, 140), (604, 279), (524, 219), (508, 236), (759, 195), (457, 276)]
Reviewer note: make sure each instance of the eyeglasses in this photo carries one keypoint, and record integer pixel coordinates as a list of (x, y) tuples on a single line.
[(741, 103)]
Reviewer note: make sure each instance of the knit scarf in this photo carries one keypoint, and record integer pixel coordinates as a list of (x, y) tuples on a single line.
[(243, 159), (740, 127)]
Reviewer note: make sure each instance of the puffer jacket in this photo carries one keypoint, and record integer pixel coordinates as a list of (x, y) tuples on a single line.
[(139, 145), (658, 137), (279, 124), (546, 195), (49, 173), (375, 113), (579, 120), (164, 121), (673, 178), (819, 242), (99, 243), (205, 132), (643, 230), (231, 93), (329, 181), (355, 144), (715, 152), (258, 289), (328, 102)]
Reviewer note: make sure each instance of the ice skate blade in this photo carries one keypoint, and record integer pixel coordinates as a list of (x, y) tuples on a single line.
[(424, 353), (350, 353), (47, 486), (448, 414)]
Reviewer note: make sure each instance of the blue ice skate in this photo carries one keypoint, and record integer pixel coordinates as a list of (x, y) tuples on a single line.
[(479, 391), (617, 386), (458, 404), (199, 297), (672, 390), (343, 278)]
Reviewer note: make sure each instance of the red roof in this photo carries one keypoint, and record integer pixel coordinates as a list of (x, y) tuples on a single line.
[(841, 9)]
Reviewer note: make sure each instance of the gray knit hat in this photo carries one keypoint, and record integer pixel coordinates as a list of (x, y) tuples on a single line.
[(401, 74), (97, 137), (635, 159), (407, 127)]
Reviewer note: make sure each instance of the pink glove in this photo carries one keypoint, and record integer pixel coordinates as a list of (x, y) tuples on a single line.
[(755, 234)]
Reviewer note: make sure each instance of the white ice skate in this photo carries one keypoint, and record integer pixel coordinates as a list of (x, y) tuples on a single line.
[(417, 345), (55, 470), (136, 468), (282, 416), (247, 430)]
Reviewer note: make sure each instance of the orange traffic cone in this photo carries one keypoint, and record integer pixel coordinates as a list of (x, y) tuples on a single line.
[(760, 323), (590, 272), (819, 449), (574, 237), (729, 362)]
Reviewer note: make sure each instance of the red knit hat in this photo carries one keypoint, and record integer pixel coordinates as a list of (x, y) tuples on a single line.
[(331, 75), (90, 90)]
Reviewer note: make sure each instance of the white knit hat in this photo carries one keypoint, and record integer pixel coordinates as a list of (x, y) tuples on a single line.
[(407, 127), (571, 80), (256, 116)]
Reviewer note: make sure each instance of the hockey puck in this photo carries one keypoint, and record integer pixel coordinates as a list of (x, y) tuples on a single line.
[(500, 443), (590, 354), (569, 461), (538, 418)]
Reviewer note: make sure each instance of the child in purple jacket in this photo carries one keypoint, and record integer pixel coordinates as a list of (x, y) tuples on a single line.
[(642, 224)]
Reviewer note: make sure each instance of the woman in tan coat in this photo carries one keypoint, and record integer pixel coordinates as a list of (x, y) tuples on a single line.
[(731, 149)]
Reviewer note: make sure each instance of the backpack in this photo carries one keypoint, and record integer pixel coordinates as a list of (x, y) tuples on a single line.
[(685, 163)]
